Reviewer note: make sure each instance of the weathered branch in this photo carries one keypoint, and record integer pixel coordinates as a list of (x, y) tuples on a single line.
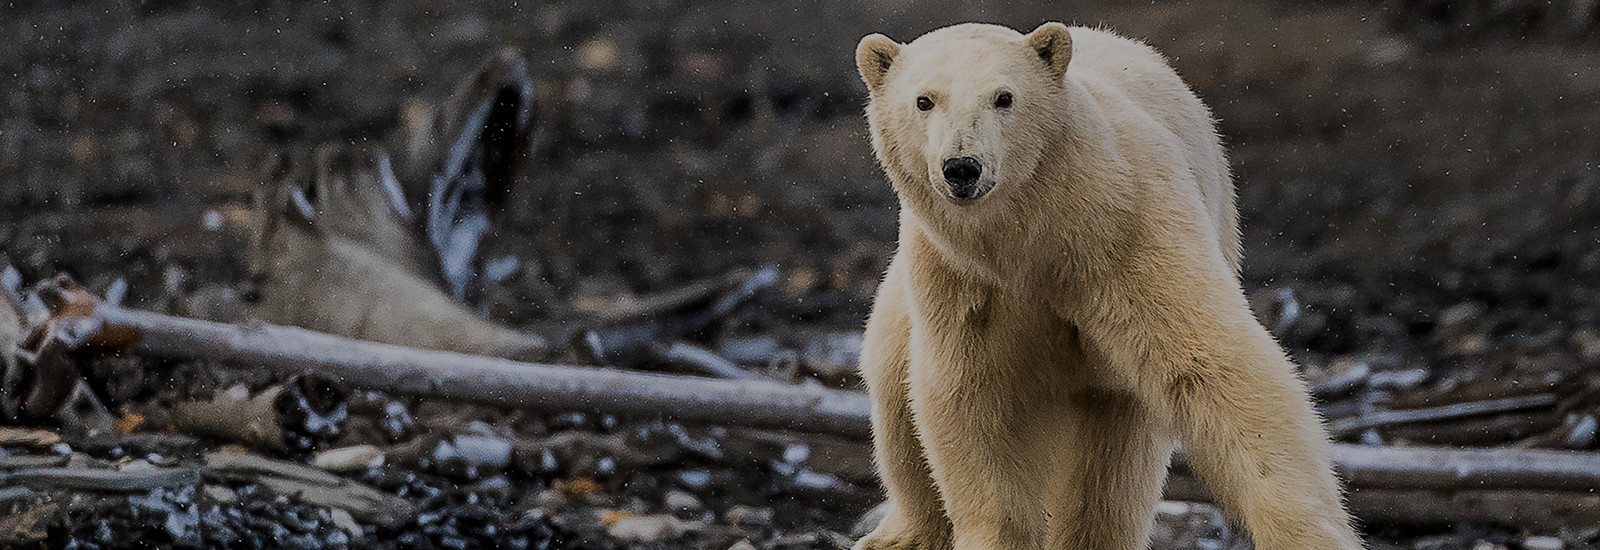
[(484, 379), (95, 479), (314, 486), (1546, 510), (1353, 425), (703, 360), (1444, 468)]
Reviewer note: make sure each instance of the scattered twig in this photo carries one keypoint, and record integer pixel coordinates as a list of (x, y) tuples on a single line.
[(1347, 380), (361, 501), (9, 494), (27, 462), (349, 459), (634, 307), (28, 437), (702, 360), (99, 479), (313, 485), (628, 342), (242, 462), (1348, 426)]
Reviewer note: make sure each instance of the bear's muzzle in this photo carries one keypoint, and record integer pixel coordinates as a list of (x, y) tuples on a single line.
[(962, 174)]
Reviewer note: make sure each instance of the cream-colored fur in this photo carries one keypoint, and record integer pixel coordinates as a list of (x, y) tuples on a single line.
[(1034, 351)]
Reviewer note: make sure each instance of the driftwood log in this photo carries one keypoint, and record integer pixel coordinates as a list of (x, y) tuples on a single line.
[(483, 379), (1387, 484)]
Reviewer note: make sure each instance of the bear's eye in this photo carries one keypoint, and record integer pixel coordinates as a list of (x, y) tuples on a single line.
[(924, 104), (1003, 100)]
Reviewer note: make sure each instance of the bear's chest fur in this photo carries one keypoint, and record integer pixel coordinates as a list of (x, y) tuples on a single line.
[(994, 311)]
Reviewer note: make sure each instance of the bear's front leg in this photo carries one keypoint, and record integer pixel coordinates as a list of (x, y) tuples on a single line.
[(969, 400), (1188, 341), (915, 520), (977, 444), (1254, 438), (1114, 468)]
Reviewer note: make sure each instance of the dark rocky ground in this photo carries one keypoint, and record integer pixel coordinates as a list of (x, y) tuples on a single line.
[(1416, 197)]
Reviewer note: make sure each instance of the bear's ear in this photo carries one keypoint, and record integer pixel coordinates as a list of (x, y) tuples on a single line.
[(1053, 43), (874, 55)]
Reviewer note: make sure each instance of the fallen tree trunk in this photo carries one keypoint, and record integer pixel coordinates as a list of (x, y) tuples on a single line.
[(737, 403), (487, 380)]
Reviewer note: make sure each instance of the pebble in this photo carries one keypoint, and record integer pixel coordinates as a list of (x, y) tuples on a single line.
[(1542, 543), (748, 515), (1397, 380), (345, 521), (833, 355), (650, 528), (869, 520), (1582, 434), (221, 494), (349, 459), (677, 501), (550, 499)]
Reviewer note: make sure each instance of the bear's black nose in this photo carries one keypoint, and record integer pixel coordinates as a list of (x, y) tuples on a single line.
[(962, 175)]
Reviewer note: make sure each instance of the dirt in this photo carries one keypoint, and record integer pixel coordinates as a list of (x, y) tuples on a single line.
[(1413, 198)]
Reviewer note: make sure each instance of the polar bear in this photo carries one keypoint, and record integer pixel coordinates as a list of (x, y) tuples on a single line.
[(1065, 302)]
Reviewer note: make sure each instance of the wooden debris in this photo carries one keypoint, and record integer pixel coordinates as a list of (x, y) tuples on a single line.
[(314, 277), (9, 494), (245, 462), (749, 403), (1544, 510), (1348, 426), (28, 462), (354, 458), (100, 479), (29, 527), (1351, 376), (634, 307), (1441, 468), (28, 437), (360, 501), (703, 361), (12, 322), (313, 486), (630, 342), (251, 421), (494, 381)]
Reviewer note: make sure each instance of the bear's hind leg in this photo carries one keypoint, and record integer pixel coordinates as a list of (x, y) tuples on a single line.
[(915, 520)]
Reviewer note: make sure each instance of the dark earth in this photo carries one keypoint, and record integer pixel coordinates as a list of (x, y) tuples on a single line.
[(1418, 181)]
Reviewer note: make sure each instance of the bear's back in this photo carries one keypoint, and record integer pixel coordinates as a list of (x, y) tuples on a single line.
[(1142, 76)]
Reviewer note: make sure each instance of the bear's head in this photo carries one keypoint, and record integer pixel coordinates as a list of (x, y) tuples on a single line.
[(965, 112)]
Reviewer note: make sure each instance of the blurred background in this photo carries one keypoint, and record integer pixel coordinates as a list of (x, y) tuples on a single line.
[(1418, 180)]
